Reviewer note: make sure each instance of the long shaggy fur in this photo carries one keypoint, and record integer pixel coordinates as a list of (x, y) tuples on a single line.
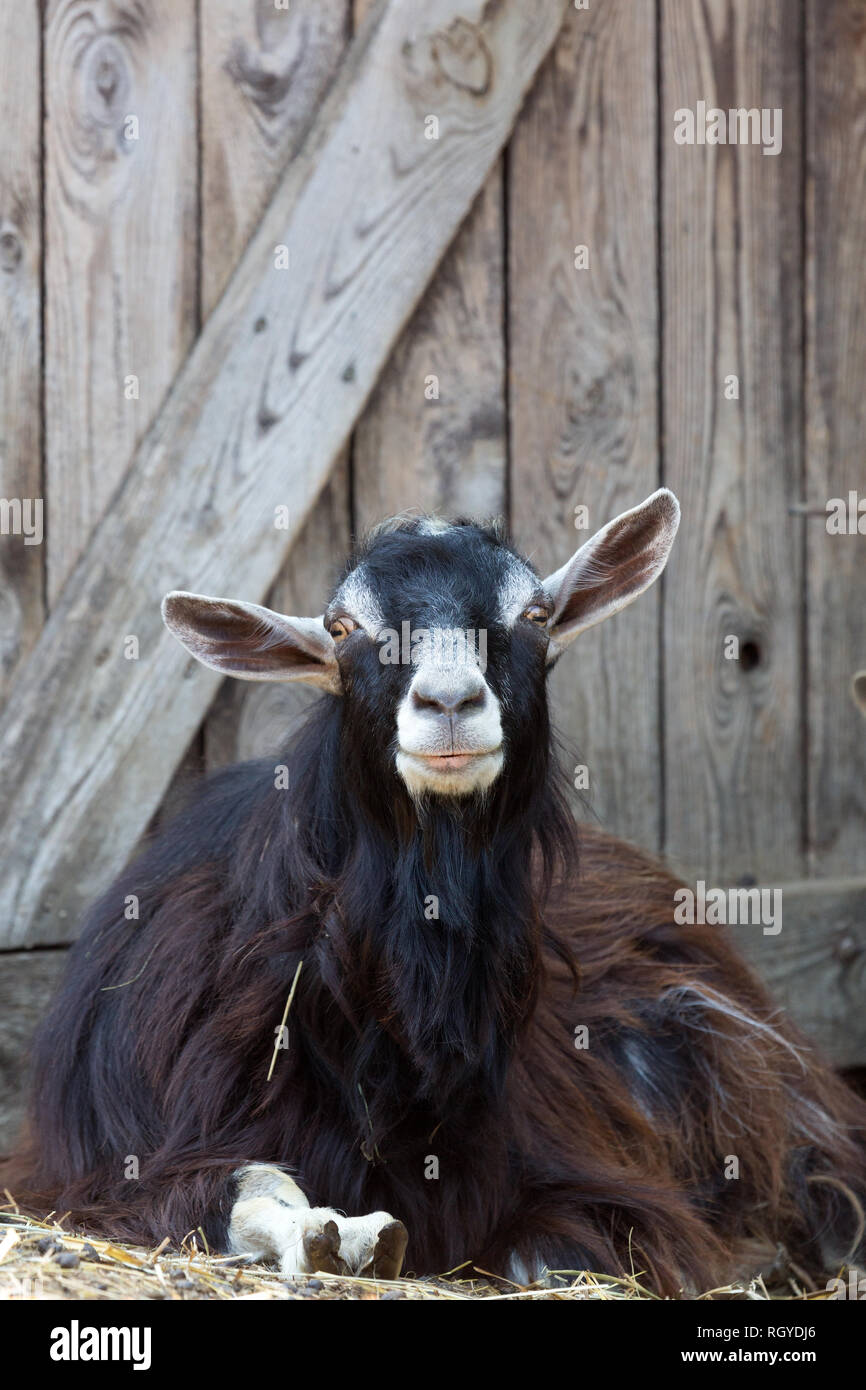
[(412, 1037)]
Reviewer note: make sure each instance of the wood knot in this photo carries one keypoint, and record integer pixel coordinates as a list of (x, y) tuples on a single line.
[(264, 79), (750, 654), (11, 250), (91, 73), (462, 56), (108, 81)]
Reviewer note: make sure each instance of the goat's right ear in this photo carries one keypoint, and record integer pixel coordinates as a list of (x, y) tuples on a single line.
[(252, 643)]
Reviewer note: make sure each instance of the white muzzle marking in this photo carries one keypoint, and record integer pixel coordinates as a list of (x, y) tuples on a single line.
[(449, 729)]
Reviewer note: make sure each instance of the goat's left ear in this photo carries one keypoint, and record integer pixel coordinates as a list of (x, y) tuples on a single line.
[(251, 642), (612, 568)]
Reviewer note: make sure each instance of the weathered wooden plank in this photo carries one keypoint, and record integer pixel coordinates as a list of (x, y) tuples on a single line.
[(433, 435), (120, 252), (583, 371), (816, 966), (731, 261), (264, 73), (27, 981), (835, 429), (256, 418), (21, 559), (251, 721)]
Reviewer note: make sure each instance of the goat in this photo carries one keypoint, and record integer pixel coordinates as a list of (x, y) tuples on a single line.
[(412, 872)]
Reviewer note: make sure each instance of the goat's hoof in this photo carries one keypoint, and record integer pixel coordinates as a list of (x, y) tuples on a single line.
[(322, 1250), (386, 1260)]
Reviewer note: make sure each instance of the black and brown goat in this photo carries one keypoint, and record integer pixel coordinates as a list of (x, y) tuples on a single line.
[(414, 852)]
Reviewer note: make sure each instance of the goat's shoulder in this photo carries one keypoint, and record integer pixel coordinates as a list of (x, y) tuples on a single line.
[(617, 915), (617, 887), (211, 816), (186, 859)]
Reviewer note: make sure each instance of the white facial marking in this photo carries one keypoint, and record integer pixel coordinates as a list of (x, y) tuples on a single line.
[(359, 602), (449, 727), (518, 589)]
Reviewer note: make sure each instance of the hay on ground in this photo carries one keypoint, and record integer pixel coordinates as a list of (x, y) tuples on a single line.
[(48, 1260)]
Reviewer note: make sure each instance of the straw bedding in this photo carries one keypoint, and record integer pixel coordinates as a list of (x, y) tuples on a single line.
[(47, 1260)]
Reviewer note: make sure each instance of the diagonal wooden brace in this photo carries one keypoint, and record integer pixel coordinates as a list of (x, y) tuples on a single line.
[(357, 226)]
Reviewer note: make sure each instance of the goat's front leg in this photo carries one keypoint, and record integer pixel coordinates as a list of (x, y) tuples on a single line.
[(272, 1220)]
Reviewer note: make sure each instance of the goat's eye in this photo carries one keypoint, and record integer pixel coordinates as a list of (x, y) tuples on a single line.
[(340, 628), (536, 614)]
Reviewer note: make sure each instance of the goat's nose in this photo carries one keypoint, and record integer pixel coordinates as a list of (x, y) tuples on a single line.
[(440, 693)]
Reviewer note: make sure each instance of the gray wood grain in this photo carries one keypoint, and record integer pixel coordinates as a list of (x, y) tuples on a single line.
[(252, 721), (255, 419), (583, 373), (816, 966), (433, 435), (21, 565), (264, 74), (835, 431), (443, 453), (731, 260), (120, 253)]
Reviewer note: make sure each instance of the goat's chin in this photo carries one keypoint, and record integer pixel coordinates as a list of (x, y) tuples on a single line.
[(426, 777)]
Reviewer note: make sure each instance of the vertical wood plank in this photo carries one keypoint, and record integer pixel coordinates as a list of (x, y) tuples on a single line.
[(583, 371), (433, 435), (731, 276), (120, 255), (836, 428), (250, 721), (21, 565), (264, 73), (28, 979), (444, 452)]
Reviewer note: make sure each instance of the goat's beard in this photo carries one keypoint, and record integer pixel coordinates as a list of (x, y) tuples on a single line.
[(442, 897), (445, 937), (422, 928), (458, 954)]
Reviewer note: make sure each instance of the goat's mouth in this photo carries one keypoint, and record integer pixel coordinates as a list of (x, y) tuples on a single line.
[(448, 762), (456, 772), (454, 759)]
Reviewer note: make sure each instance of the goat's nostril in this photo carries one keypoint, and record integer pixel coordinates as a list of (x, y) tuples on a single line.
[(427, 702), (449, 703)]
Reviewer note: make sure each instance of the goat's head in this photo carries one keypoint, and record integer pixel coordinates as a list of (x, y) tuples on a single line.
[(438, 637)]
